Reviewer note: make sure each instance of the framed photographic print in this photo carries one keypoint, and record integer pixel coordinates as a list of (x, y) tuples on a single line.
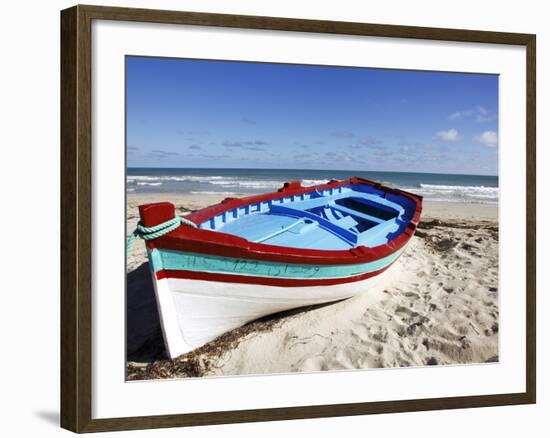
[(268, 218)]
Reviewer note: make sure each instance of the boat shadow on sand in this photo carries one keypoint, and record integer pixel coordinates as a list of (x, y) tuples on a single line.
[(143, 332), (146, 355), (145, 352)]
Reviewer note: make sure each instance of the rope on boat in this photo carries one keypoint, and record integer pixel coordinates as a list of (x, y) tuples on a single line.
[(149, 233)]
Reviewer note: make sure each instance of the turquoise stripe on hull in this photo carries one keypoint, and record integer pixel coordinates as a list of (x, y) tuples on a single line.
[(176, 260)]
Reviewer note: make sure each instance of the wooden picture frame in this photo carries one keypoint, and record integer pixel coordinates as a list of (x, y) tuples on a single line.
[(76, 217)]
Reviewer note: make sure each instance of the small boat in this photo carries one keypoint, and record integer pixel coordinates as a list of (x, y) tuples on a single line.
[(244, 258)]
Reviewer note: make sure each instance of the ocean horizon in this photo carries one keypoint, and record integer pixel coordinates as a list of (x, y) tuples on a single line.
[(481, 189)]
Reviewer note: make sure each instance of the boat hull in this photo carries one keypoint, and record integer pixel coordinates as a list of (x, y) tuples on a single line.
[(209, 281), (194, 312)]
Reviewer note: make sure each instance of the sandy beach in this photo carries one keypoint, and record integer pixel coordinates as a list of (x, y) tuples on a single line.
[(437, 305)]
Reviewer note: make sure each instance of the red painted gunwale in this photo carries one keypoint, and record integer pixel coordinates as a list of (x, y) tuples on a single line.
[(267, 281), (210, 242)]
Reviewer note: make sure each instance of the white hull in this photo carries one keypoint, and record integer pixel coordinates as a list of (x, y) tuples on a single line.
[(193, 312)]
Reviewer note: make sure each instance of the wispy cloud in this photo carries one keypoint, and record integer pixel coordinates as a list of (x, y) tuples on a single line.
[(487, 138), (133, 148), (232, 144), (214, 156), (342, 134), (248, 121), (449, 135), (332, 157), (190, 132), (416, 146), (367, 142), (459, 115), (161, 154), (251, 145), (484, 115), (420, 153), (480, 114), (195, 146)]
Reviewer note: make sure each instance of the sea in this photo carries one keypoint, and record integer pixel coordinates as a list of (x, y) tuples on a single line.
[(481, 189)]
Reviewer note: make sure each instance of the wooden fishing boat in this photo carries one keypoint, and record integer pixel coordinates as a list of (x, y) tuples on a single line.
[(221, 267)]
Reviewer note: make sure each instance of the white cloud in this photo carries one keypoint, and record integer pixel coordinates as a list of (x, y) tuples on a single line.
[(458, 115), (480, 118), (488, 138), (455, 116), (481, 114), (449, 135)]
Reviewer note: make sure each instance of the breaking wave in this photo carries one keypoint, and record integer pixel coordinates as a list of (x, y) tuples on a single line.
[(314, 182), (256, 183), (475, 194)]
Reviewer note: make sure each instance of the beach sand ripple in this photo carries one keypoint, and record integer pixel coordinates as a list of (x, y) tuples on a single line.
[(438, 305)]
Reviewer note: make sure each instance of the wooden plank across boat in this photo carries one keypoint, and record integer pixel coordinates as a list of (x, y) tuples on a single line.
[(250, 257)]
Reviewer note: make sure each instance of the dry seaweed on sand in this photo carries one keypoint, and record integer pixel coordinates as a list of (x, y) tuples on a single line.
[(441, 235), (456, 289), (198, 362)]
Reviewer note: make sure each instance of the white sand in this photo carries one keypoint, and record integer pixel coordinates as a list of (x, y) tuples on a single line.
[(438, 304)]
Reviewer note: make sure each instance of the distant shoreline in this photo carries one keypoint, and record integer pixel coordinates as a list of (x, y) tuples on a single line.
[(242, 182)]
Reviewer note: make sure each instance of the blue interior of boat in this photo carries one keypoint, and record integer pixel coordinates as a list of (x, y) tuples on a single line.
[(332, 219)]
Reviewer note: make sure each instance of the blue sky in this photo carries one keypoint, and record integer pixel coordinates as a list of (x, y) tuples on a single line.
[(193, 113)]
